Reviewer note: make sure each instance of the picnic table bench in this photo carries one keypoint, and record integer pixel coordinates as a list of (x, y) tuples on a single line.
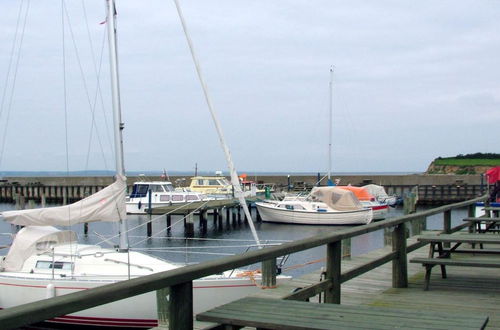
[(266, 313), (443, 255)]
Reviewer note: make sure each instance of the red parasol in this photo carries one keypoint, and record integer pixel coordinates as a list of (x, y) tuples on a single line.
[(493, 174)]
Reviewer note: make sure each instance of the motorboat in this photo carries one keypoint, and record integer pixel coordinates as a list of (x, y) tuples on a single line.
[(380, 208), (381, 195), (218, 186), (323, 206), (211, 185), (151, 194)]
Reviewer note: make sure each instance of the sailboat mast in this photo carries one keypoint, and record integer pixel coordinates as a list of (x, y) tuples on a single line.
[(330, 127), (115, 97)]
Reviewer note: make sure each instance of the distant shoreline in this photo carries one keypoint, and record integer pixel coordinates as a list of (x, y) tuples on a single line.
[(181, 173)]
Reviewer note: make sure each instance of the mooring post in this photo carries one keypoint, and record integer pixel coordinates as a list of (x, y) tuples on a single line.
[(149, 225), (181, 306), (269, 273), (189, 225), (400, 264), (333, 264), (169, 222)]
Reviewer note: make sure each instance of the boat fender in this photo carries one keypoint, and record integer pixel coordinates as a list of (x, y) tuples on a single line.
[(50, 291), (139, 205)]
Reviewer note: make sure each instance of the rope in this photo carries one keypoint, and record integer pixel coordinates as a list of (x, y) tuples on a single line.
[(251, 275), (304, 264)]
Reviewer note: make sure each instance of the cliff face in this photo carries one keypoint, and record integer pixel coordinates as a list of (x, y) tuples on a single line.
[(449, 169)]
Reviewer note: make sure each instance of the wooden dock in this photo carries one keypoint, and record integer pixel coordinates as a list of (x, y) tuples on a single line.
[(466, 290)]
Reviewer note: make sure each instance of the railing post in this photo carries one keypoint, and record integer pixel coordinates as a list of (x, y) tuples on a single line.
[(333, 259), (162, 307), (400, 264), (269, 273), (447, 224), (180, 309)]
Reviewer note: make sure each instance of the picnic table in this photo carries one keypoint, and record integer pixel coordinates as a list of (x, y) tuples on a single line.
[(484, 224), (267, 313), (443, 256)]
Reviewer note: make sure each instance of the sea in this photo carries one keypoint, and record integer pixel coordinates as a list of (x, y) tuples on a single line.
[(230, 239)]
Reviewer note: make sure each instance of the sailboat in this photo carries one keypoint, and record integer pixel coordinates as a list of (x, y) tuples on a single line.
[(44, 261), (323, 206)]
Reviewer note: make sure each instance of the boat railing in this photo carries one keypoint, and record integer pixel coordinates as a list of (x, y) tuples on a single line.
[(177, 284)]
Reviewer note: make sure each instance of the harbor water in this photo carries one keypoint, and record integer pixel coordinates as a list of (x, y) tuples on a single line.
[(231, 238)]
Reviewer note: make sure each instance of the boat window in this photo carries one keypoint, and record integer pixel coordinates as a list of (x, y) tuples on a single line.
[(164, 198), (156, 188), (299, 207), (45, 245), (191, 197), (139, 190), (177, 198), (289, 207), (43, 264), (213, 182), (168, 187)]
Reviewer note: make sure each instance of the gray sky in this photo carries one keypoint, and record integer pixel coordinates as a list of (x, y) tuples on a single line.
[(414, 80)]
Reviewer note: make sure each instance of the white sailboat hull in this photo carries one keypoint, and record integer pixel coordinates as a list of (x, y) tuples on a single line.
[(271, 213), (138, 311)]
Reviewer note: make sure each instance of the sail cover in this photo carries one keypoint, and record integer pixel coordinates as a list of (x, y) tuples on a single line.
[(107, 204), (337, 198), (34, 239)]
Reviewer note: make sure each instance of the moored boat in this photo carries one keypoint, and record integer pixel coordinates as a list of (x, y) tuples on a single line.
[(323, 206), (380, 209), (151, 194)]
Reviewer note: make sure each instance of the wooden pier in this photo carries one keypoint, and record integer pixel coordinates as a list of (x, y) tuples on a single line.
[(382, 278)]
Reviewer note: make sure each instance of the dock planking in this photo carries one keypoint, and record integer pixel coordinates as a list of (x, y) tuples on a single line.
[(466, 290)]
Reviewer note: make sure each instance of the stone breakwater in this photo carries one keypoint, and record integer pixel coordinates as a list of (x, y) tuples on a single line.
[(278, 180)]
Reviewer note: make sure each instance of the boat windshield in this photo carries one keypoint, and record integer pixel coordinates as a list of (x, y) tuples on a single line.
[(168, 187), (224, 182), (139, 190)]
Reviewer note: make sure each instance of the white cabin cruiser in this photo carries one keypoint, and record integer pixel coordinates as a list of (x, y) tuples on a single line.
[(151, 194)]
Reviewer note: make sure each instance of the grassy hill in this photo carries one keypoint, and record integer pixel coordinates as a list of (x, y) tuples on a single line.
[(464, 164)]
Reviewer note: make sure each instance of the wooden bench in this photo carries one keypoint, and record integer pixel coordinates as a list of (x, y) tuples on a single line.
[(266, 313), (443, 258)]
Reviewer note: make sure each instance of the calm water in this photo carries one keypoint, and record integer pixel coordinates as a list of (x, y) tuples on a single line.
[(229, 240)]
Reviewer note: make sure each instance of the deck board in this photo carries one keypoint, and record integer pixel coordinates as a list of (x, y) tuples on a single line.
[(467, 289)]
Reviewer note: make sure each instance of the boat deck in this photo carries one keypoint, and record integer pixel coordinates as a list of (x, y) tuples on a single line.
[(467, 289)]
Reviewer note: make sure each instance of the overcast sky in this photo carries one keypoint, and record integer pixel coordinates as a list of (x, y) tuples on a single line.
[(414, 80)]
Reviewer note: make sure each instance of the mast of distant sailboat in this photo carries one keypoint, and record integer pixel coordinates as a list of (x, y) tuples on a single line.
[(330, 182)]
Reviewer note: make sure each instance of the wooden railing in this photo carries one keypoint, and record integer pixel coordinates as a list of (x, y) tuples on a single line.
[(178, 282)]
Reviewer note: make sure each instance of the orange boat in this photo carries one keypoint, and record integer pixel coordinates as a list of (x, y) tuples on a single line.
[(380, 209)]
